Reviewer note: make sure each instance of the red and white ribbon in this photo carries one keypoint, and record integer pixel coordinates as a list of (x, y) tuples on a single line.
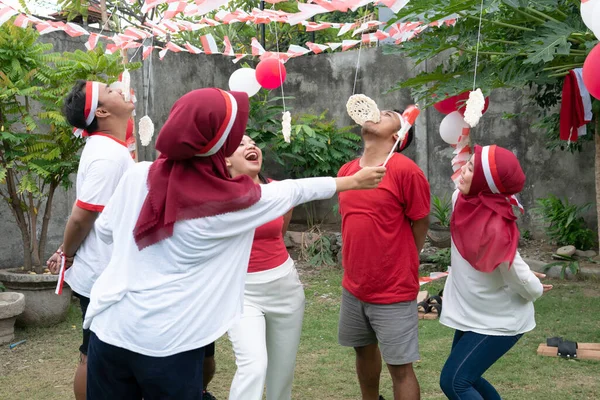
[(217, 142), (92, 91), (490, 170), (61, 274)]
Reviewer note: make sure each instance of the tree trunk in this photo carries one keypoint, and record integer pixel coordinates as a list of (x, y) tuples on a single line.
[(46, 220), (19, 214), (103, 13)]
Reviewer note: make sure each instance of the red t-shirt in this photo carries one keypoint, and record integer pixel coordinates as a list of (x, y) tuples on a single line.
[(268, 248), (379, 253)]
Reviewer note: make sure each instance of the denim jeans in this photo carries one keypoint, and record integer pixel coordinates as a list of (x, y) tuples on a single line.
[(472, 354)]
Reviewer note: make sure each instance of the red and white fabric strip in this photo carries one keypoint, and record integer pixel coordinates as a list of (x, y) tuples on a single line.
[(214, 145), (488, 162), (92, 91), (61, 274)]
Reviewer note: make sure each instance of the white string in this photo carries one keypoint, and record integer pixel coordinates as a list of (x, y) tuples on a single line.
[(357, 66), (113, 13), (141, 47), (477, 48), (279, 63)]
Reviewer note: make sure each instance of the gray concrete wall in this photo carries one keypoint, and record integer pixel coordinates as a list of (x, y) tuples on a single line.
[(326, 81)]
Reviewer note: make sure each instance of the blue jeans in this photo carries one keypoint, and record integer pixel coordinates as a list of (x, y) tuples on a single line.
[(114, 373), (472, 354)]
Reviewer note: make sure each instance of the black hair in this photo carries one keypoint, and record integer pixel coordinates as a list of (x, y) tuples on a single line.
[(262, 178), (410, 136), (74, 108)]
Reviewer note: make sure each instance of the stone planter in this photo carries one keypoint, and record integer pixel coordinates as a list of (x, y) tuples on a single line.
[(439, 236), (11, 305), (42, 306)]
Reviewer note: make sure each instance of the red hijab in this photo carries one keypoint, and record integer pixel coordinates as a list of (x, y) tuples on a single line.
[(483, 224), (190, 180)]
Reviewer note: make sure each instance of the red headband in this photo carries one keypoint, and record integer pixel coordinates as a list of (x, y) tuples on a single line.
[(92, 91)]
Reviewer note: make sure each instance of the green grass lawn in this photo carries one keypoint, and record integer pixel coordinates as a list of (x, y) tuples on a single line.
[(43, 367)]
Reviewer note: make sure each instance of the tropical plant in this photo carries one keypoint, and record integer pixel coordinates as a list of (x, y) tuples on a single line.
[(317, 148), (523, 44), (442, 258), (264, 119), (441, 209), (38, 151), (568, 263), (564, 223), (320, 252)]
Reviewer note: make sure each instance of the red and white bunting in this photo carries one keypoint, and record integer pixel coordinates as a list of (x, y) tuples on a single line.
[(174, 9), (147, 50), (48, 26), (348, 44), (209, 44), (314, 26), (296, 51), (22, 21), (257, 49), (316, 48), (238, 57), (192, 49), (6, 13), (150, 4), (162, 53), (92, 41), (334, 46), (174, 48), (228, 51), (345, 29), (136, 33), (75, 30)]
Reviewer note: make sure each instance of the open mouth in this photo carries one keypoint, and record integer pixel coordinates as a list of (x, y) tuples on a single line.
[(252, 156)]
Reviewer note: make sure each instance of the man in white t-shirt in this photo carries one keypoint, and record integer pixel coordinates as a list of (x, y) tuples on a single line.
[(99, 113)]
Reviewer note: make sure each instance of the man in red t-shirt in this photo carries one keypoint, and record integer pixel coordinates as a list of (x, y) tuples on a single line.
[(383, 231)]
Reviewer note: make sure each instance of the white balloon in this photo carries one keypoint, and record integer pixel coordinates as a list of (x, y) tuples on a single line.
[(451, 127), (244, 80), (590, 14)]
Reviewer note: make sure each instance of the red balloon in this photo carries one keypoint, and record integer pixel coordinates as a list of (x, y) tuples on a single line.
[(464, 107), (268, 73), (591, 72)]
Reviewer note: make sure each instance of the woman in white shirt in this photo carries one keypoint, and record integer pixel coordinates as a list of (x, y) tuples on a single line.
[(489, 294), (182, 230)]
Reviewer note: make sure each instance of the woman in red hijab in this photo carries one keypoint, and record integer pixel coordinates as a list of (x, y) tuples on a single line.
[(181, 230), (489, 294)]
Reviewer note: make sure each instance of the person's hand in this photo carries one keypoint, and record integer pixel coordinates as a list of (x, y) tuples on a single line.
[(547, 288), (368, 177), (53, 263)]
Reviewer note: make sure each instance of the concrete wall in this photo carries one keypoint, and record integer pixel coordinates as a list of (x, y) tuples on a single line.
[(325, 82)]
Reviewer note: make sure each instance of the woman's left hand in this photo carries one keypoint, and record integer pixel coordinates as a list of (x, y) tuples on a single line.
[(542, 276)]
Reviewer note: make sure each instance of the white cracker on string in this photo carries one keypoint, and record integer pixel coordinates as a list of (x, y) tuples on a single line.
[(145, 130), (474, 108), (126, 81), (286, 126), (362, 109)]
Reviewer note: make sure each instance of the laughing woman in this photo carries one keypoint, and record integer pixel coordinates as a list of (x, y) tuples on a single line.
[(266, 339)]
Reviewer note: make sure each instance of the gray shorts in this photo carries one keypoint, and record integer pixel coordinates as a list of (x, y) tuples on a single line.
[(394, 326)]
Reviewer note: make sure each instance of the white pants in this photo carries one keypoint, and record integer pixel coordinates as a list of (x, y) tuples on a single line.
[(266, 339)]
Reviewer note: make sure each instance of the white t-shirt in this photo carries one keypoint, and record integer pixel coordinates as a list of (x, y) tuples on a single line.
[(185, 291), (103, 162), (499, 303)]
